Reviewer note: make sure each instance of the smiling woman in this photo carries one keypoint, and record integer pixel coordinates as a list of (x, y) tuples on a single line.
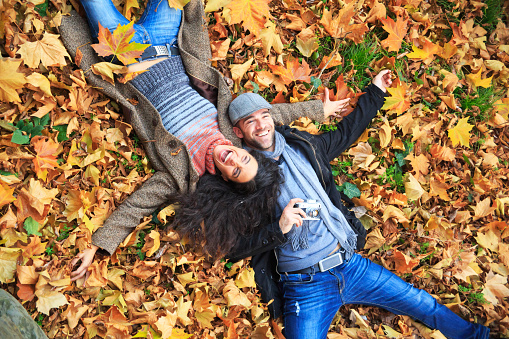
[(235, 164)]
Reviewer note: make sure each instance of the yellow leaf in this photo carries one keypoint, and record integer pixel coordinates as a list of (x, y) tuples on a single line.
[(215, 5), (49, 50), (106, 70), (6, 194), (49, 299), (252, 13), (38, 80), (398, 101), (427, 52), (183, 310), (413, 188), (10, 80), (128, 7), (186, 278), (475, 79), (502, 107), (488, 240), (178, 4), (307, 42), (271, 39), (238, 71), (483, 209), (8, 258), (166, 323), (245, 278), (460, 133)]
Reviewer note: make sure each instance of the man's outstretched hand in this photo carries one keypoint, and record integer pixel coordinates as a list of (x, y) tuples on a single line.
[(86, 257), (383, 80), (334, 108)]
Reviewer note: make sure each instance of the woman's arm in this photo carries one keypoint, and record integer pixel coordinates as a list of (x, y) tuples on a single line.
[(143, 202)]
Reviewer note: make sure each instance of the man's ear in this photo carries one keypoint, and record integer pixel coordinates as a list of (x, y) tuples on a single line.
[(238, 132)]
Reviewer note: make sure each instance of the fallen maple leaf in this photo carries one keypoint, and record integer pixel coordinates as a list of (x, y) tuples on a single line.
[(495, 288), (270, 39), (252, 13), (460, 133), (502, 107), (293, 71), (477, 81), (49, 51), (6, 194), (484, 208), (10, 80), (106, 70), (340, 26), (46, 158), (118, 44), (238, 71), (398, 101), (307, 42), (397, 31), (178, 4), (426, 54)]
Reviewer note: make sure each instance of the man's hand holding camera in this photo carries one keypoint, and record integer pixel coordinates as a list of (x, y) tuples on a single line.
[(297, 211), (291, 216)]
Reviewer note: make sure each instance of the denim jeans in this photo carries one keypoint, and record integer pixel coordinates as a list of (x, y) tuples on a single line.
[(158, 25), (312, 300)]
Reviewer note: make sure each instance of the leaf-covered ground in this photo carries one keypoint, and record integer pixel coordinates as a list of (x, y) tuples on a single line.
[(429, 177)]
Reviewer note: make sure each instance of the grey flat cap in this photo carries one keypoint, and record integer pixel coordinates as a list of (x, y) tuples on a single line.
[(246, 104)]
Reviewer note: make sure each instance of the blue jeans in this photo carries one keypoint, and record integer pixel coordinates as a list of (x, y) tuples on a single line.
[(312, 300), (158, 25)]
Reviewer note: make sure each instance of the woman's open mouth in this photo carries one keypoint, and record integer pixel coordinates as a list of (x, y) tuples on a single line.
[(225, 155)]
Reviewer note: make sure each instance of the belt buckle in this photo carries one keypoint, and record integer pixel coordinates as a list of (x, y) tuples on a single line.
[(161, 50), (330, 262)]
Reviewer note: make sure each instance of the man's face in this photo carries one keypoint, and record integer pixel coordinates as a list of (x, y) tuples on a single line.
[(257, 130)]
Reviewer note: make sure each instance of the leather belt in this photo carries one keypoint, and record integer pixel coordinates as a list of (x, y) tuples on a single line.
[(159, 51), (323, 265)]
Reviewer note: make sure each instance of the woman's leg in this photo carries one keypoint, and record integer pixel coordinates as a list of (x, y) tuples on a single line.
[(161, 22), (104, 11)]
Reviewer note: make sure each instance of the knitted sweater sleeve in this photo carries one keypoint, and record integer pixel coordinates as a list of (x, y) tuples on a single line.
[(143, 202)]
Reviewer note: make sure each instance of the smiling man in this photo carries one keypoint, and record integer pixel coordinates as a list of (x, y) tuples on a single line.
[(313, 259)]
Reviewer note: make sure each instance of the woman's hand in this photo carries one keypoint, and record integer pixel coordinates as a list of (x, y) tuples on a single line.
[(383, 80), (86, 257), (291, 216)]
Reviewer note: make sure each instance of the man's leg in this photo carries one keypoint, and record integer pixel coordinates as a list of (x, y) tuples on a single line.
[(370, 284), (310, 303)]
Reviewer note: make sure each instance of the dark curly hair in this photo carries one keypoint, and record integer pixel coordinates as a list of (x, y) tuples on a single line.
[(219, 212)]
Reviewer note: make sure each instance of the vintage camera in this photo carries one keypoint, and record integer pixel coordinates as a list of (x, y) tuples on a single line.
[(311, 208)]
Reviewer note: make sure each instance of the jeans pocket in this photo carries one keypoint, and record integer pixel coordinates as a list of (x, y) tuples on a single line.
[(296, 279)]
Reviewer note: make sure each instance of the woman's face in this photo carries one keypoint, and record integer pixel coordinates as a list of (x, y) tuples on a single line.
[(235, 164)]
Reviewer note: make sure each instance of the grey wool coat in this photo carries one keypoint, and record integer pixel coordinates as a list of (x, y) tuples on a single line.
[(174, 173)]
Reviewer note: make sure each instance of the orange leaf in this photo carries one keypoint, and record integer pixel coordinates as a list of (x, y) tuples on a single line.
[(340, 26), (442, 153), (397, 31), (460, 133), (397, 102), (118, 44), (293, 71), (403, 263), (46, 150), (252, 13), (6, 195)]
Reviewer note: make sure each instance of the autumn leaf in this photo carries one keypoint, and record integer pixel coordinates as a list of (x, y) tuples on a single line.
[(495, 288), (341, 27), (307, 42), (49, 51), (118, 44), (238, 71), (270, 39), (425, 54), (477, 81), (6, 194), (106, 70), (46, 158), (413, 188), (10, 80), (502, 107), (398, 101), (293, 72), (397, 31), (460, 135), (252, 13), (178, 4)]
